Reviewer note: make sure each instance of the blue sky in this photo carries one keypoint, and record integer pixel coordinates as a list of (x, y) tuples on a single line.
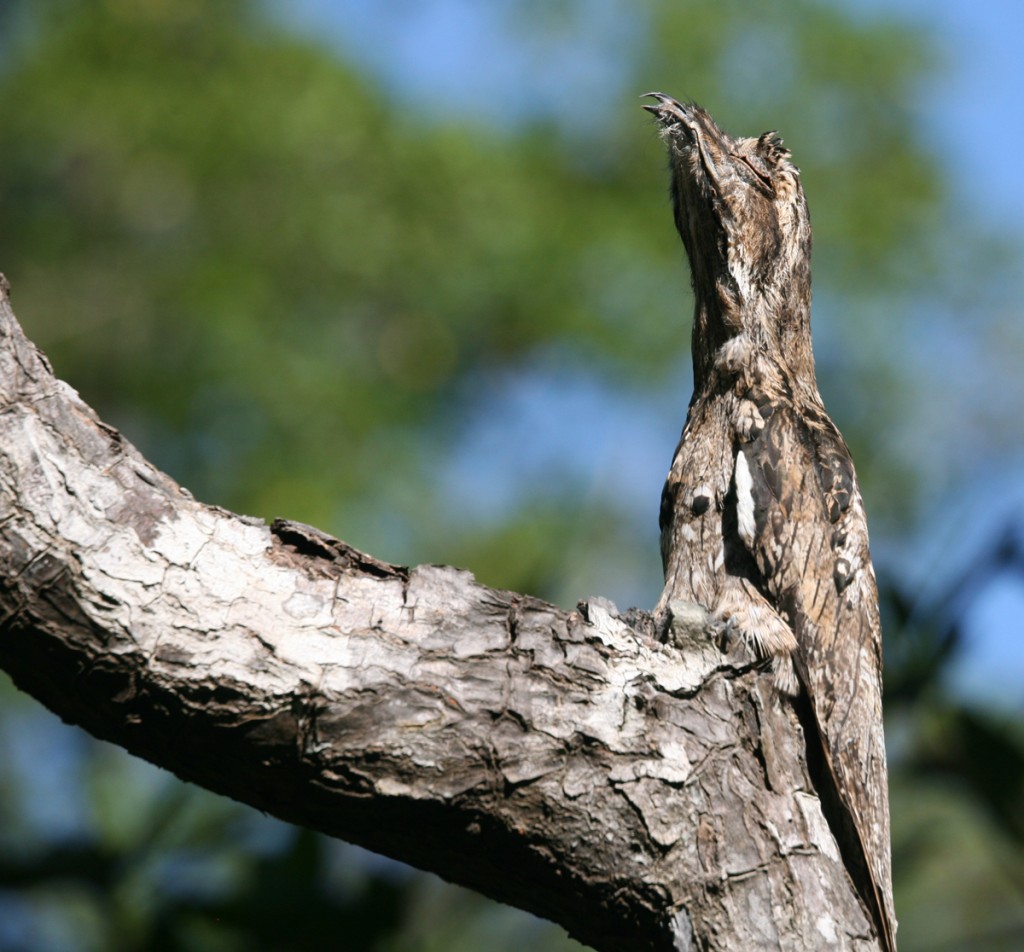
[(973, 110), (452, 55), (447, 57)]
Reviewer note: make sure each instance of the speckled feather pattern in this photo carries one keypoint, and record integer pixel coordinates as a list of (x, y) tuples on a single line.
[(762, 519)]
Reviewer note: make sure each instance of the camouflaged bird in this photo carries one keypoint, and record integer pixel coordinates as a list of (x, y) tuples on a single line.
[(762, 521)]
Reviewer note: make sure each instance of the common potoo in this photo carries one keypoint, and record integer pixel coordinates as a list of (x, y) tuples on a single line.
[(762, 521)]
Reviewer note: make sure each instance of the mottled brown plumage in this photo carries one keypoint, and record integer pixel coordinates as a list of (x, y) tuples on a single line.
[(762, 519)]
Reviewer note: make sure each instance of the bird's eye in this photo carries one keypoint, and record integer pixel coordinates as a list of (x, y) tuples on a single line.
[(761, 173)]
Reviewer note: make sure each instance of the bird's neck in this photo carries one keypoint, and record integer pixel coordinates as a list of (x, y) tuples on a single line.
[(770, 328)]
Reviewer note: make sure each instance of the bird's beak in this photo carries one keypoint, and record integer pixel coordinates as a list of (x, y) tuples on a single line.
[(667, 110), (691, 131)]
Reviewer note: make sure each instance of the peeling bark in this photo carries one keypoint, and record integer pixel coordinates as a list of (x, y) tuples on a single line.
[(643, 794)]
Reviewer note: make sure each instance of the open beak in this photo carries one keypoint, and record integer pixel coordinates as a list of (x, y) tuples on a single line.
[(667, 110)]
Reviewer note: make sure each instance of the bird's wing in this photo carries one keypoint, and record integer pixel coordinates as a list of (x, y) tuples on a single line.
[(807, 531)]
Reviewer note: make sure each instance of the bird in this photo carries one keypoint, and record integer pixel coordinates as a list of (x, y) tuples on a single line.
[(762, 519)]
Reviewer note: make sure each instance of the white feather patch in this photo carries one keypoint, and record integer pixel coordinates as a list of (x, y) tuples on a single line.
[(745, 501)]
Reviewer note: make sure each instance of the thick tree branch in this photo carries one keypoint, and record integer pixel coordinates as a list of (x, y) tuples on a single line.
[(644, 795)]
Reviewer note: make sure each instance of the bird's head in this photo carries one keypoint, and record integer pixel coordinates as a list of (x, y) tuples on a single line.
[(740, 210)]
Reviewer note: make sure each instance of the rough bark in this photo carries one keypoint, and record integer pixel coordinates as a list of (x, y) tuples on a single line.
[(645, 795)]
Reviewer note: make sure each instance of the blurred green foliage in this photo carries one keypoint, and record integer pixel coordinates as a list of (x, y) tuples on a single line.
[(301, 296)]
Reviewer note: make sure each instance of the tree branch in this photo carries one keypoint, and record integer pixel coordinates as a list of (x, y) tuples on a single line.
[(644, 795)]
